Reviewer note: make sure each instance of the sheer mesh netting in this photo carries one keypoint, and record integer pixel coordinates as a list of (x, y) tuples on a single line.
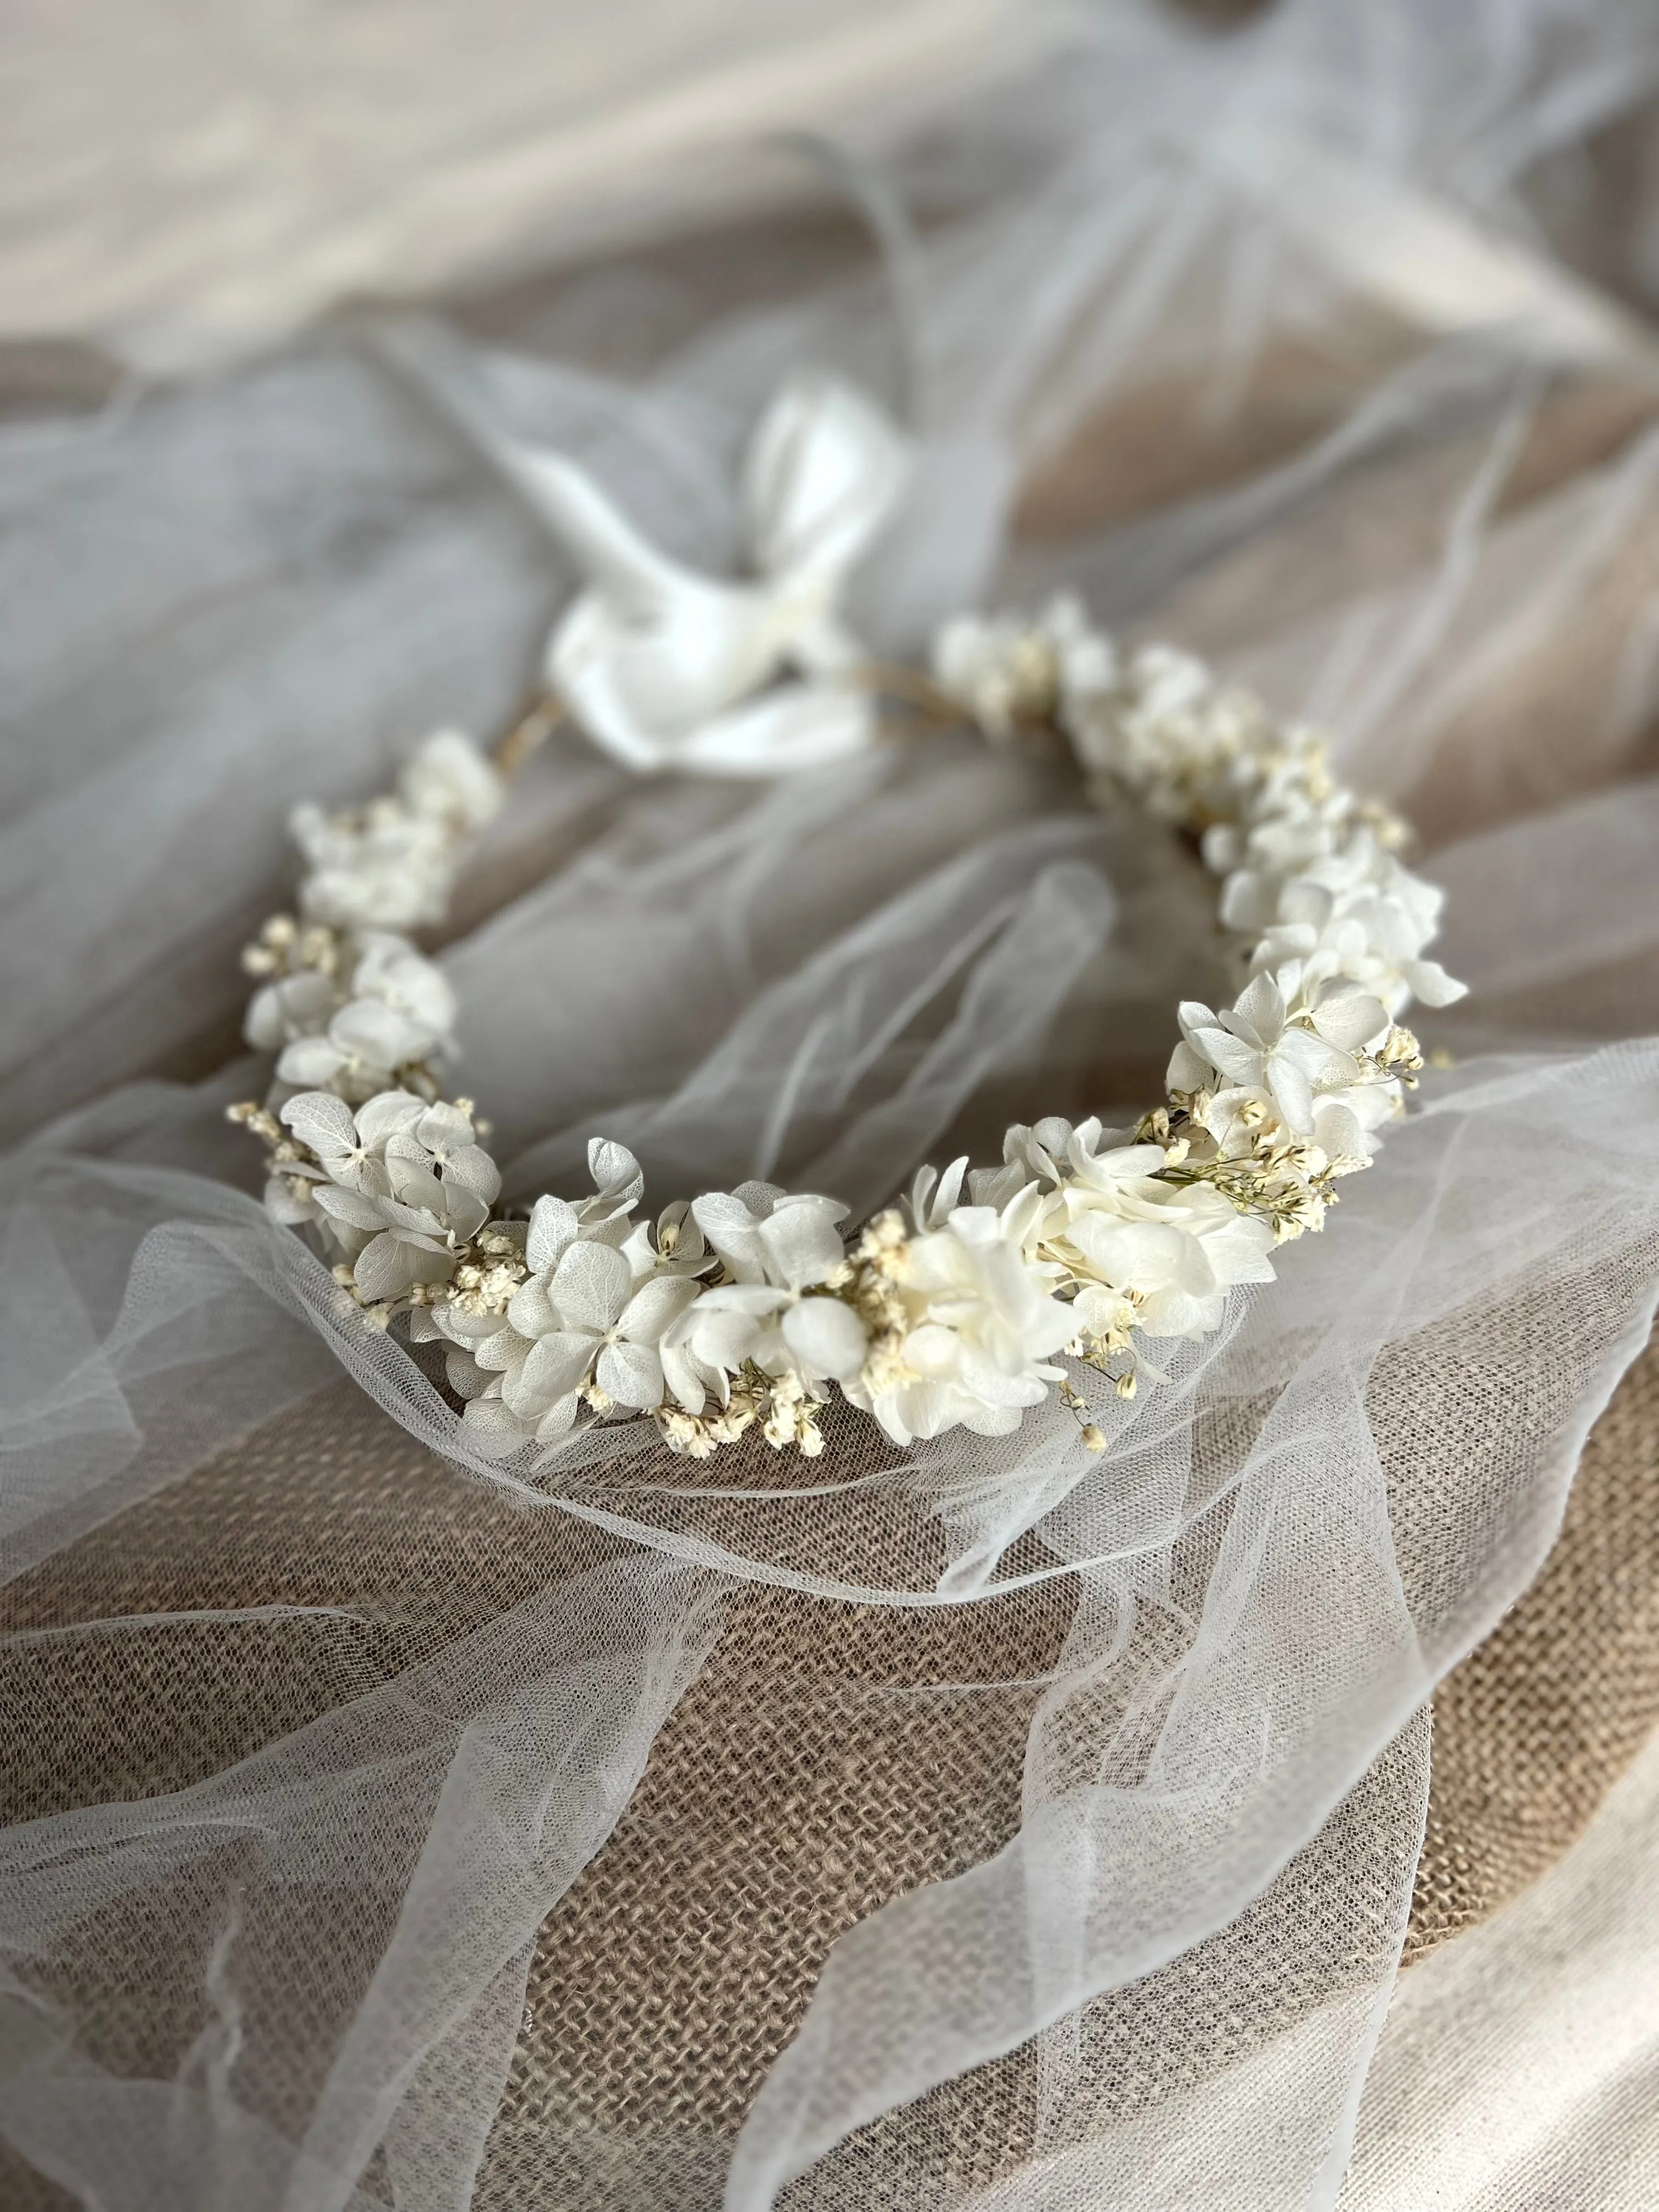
[(990, 1822)]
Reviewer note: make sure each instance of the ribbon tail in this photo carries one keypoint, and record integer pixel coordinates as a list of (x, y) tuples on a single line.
[(825, 468), (798, 726), (600, 539)]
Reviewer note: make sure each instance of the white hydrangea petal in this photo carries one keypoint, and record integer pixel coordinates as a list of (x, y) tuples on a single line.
[(1319, 1060), (617, 1176), (320, 1119), (465, 1212), (559, 1419), (631, 1375), (414, 1178), (921, 1191), (264, 1026), (1187, 1071), (532, 1310), (415, 1220), (1338, 1132), (554, 1227), (443, 1129), (989, 1421), (1259, 1011), (1430, 982), (473, 1330), (371, 1031), (285, 1206), (683, 1377), (727, 1337), (491, 1429), (756, 1299), (466, 1378), (386, 1115), (1127, 1254), (656, 1306), (1349, 1019), (394, 1263), (1230, 1054), (826, 1337), (502, 1351), (759, 1197), (732, 1230), (1023, 1216), (351, 1207), (472, 1170), (990, 1386), (1098, 1306), (801, 1241), (295, 1006), (591, 1286), (949, 1186), (1292, 1094), (553, 1365), (314, 1061)]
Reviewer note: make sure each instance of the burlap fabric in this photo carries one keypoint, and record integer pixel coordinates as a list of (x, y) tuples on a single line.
[(1535, 1726), (667, 1980)]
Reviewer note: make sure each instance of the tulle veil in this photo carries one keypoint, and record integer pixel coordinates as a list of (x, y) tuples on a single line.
[(988, 1824)]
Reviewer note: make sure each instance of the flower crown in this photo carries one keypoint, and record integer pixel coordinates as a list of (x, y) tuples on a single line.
[(744, 1307)]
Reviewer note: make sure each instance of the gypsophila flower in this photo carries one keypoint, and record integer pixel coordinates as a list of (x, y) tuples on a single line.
[(1009, 672)]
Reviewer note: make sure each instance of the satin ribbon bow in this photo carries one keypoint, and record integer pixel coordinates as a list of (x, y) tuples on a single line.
[(665, 668)]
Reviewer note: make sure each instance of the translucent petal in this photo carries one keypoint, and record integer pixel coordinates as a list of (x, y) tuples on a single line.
[(554, 1365), (801, 1241), (827, 1337), (553, 1229), (631, 1373), (591, 1286), (655, 1307)]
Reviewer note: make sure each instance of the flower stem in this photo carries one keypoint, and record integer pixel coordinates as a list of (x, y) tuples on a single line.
[(532, 728)]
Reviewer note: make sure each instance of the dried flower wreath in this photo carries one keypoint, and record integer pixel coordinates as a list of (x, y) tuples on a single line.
[(744, 1307)]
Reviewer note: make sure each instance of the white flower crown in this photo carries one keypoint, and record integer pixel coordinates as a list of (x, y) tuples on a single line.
[(742, 1307)]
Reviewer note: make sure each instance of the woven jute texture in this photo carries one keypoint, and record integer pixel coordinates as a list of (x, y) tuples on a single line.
[(797, 1786), (1535, 1726), (800, 1785)]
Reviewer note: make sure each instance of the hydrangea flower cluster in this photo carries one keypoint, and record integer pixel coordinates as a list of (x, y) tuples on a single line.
[(747, 1308), (348, 1005)]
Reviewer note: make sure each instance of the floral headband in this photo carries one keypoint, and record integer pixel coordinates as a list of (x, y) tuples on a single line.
[(743, 1308)]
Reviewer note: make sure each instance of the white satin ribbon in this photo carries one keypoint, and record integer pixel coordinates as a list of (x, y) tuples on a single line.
[(665, 668)]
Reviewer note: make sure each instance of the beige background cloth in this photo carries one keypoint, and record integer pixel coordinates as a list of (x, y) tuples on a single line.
[(1519, 2068), (668, 1980), (1541, 1720), (246, 180)]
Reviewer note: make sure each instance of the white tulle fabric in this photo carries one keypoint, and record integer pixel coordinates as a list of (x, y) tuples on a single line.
[(279, 580)]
